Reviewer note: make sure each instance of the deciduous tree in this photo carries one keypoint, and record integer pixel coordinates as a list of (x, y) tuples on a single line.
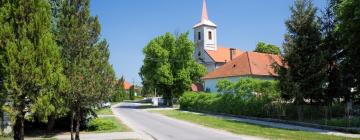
[(169, 65), (86, 61), (262, 47)]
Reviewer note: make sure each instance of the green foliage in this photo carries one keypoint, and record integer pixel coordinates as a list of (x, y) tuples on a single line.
[(86, 59), (348, 16), (100, 124), (169, 65), (120, 93), (248, 104), (248, 129), (30, 63), (104, 111), (246, 85), (302, 77), (132, 93), (235, 104), (262, 47)]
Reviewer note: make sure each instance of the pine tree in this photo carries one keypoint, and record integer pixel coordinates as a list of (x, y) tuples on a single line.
[(332, 50), (303, 58), (30, 61), (348, 15), (86, 61)]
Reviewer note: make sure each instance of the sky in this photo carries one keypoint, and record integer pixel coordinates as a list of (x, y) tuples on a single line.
[(128, 25)]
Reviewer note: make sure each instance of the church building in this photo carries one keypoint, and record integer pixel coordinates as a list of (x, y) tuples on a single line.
[(207, 51), (228, 63)]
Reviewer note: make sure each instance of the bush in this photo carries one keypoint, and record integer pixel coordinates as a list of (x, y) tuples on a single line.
[(249, 85), (100, 124), (235, 104)]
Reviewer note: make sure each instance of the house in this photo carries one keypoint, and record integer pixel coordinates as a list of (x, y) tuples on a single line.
[(127, 85), (207, 52), (249, 64), (228, 63)]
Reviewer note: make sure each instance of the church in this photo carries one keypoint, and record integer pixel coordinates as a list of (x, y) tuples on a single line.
[(228, 63)]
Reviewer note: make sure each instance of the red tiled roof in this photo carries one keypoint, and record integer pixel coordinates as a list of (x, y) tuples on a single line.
[(249, 63), (223, 54), (127, 85), (196, 87)]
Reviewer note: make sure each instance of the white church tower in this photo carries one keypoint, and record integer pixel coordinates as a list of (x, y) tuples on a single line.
[(205, 36)]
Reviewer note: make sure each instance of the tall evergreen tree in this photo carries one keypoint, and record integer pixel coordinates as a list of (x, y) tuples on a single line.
[(55, 12), (333, 52), (348, 15), (302, 78), (30, 61), (85, 60)]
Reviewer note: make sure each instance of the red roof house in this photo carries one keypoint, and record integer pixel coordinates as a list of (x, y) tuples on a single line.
[(248, 64)]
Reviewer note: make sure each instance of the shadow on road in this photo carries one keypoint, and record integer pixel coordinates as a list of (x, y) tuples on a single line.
[(138, 106)]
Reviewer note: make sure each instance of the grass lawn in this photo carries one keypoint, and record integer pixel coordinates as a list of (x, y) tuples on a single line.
[(6, 138), (104, 111), (247, 129), (108, 124)]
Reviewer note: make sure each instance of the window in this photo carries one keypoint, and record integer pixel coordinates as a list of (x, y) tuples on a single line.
[(210, 35), (199, 36)]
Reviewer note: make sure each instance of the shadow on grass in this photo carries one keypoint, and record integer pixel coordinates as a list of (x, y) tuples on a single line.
[(37, 133)]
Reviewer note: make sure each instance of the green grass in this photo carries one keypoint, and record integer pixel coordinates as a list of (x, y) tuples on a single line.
[(247, 129), (342, 122), (104, 111), (6, 138), (107, 124)]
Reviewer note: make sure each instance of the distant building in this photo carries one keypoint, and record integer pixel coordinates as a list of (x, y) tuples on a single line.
[(127, 85), (227, 63)]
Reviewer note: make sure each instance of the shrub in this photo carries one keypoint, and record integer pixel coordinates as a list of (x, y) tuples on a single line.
[(234, 104), (264, 106), (100, 124)]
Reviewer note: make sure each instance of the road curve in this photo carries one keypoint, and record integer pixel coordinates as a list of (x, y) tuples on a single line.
[(153, 126)]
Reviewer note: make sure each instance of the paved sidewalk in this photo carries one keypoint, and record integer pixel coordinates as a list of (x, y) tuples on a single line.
[(283, 125), (103, 136)]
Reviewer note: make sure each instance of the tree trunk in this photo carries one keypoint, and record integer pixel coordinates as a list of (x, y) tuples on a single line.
[(170, 99), (78, 118), (19, 127), (72, 125), (50, 124), (300, 112), (2, 122)]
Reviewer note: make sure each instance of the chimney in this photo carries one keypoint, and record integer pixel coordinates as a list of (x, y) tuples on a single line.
[(232, 53)]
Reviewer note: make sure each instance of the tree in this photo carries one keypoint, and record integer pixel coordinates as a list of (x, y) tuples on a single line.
[(86, 61), (132, 93), (348, 15), (302, 78), (55, 13), (332, 50), (119, 94), (30, 62), (262, 47), (169, 66)]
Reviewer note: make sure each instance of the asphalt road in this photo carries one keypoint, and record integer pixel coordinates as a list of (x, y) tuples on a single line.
[(158, 127)]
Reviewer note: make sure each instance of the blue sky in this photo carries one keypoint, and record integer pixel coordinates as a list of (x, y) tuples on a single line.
[(128, 25)]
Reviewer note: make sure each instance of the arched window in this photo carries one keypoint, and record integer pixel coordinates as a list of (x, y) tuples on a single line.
[(210, 35), (199, 36)]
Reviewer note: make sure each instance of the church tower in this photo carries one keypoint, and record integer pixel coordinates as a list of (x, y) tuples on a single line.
[(205, 37)]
